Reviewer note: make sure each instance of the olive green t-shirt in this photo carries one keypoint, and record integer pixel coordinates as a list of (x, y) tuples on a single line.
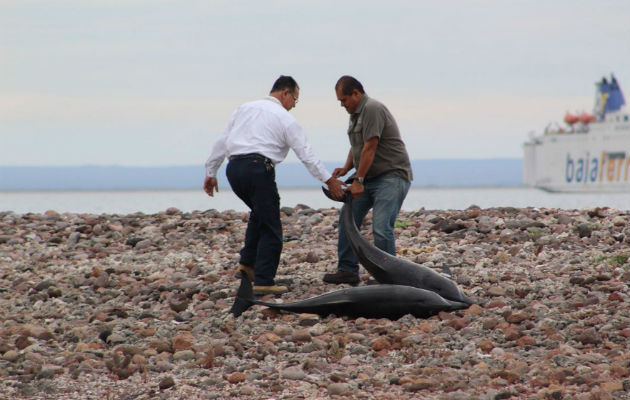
[(370, 119)]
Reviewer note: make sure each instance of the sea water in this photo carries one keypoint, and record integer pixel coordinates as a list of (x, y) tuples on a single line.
[(153, 201)]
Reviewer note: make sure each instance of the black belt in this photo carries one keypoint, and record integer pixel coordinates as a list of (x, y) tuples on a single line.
[(249, 155), (268, 163)]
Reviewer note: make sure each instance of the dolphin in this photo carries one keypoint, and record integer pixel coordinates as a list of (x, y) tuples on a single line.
[(389, 269), (375, 301)]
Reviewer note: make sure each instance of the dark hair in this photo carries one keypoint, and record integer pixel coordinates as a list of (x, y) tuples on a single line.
[(284, 82), (347, 84)]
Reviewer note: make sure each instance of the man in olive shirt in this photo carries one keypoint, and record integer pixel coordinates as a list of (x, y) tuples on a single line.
[(382, 173)]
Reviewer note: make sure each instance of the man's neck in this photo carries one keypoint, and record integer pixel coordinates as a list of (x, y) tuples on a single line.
[(276, 95)]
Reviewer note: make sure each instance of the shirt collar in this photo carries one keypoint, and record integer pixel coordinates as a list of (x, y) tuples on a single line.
[(273, 99), (364, 100)]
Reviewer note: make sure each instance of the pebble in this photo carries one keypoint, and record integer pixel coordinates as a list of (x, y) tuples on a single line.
[(294, 373), (184, 355), (338, 389), (166, 383), (11, 356)]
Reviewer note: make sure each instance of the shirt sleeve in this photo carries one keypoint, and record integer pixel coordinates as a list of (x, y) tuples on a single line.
[(373, 123), (219, 150), (296, 139)]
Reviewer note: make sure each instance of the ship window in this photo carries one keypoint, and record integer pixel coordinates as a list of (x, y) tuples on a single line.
[(619, 154)]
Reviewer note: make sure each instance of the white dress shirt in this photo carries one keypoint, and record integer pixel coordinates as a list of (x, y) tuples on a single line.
[(267, 128)]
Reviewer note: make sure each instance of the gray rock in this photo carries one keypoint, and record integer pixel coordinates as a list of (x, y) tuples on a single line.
[(11, 356), (184, 355), (293, 373), (166, 382), (338, 389)]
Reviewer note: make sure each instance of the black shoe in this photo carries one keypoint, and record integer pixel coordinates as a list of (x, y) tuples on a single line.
[(342, 277)]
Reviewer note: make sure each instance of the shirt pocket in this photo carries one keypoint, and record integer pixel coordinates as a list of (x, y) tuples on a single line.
[(356, 136), (356, 130)]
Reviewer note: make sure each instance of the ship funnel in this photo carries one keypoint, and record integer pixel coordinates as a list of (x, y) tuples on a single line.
[(608, 98)]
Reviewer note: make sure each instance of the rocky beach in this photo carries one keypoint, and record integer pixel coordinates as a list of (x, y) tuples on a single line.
[(136, 307)]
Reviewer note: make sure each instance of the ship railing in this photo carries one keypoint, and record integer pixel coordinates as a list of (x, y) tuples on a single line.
[(573, 129)]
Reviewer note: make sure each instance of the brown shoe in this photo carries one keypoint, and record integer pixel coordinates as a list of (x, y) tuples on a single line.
[(249, 270), (274, 289), (342, 277)]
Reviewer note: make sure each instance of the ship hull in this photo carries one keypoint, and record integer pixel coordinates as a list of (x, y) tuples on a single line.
[(595, 161)]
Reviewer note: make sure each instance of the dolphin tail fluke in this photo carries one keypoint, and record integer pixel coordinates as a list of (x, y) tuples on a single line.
[(244, 297)]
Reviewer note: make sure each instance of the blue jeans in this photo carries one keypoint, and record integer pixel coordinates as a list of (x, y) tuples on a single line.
[(385, 194), (255, 184)]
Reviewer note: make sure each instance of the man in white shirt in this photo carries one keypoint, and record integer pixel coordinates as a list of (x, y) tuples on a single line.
[(257, 137)]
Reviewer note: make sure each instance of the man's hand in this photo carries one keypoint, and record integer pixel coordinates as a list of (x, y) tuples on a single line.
[(336, 188), (210, 184), (339, 172), (356, 189)]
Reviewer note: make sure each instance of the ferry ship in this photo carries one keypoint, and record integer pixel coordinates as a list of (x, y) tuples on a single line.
[(591, 153)]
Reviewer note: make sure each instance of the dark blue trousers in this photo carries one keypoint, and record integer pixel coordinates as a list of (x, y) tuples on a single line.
[(254, 182)]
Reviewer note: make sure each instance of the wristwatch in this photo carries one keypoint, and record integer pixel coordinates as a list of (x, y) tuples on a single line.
[(360, 179)]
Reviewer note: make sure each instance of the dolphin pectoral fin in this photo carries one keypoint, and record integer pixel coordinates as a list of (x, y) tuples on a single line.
[(244, 297)]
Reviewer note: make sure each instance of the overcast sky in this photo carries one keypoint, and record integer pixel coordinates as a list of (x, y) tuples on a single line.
[(150, 82)]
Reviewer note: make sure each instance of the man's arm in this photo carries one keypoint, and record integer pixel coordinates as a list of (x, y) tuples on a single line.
[(217, 155), (296, 139), (215, 160), (365, 162)]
